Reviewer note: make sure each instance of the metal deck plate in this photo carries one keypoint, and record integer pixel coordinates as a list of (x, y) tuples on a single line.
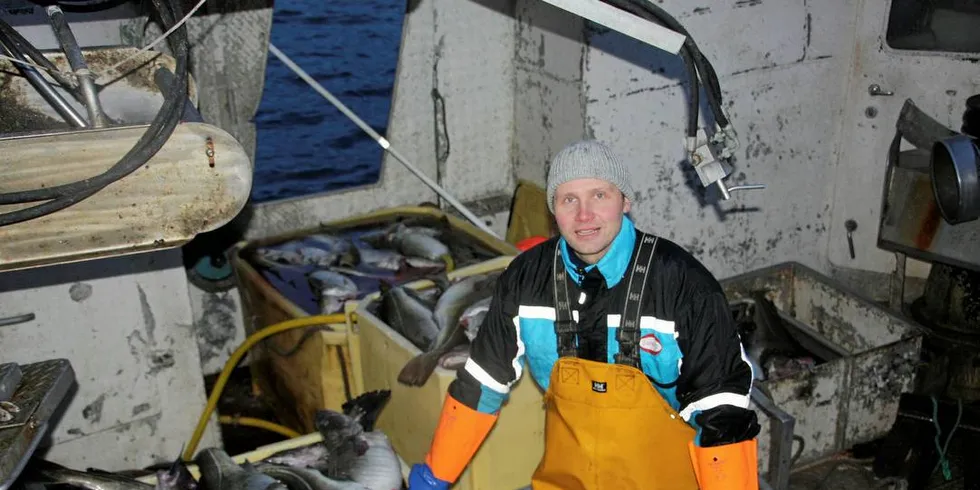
[(42, 389)]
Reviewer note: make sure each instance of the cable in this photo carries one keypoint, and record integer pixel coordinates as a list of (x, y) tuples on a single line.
[(705, 69), (250, 341), (165, 35), (149, 143), (943, 461), (260, 424), (40, 61)]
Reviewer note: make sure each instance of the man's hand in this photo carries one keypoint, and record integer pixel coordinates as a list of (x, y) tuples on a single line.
[(421, 478)]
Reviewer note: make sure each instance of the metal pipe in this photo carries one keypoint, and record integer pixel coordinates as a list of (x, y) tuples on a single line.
[(37, 81), (384, 143), (624, 22), (86, 82)]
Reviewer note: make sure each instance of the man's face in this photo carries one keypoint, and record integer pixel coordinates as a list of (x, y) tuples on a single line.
[(589, 213)]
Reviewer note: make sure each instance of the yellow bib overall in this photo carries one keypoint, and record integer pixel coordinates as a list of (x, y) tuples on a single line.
[(606, 426)]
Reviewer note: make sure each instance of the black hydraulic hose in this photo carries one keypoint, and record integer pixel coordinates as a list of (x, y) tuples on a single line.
[(152, 140), (668, 21), (35, 55), (693, 106), (706, 70)]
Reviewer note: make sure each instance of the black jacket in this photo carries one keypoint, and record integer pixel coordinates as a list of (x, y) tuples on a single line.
[(689, 347)]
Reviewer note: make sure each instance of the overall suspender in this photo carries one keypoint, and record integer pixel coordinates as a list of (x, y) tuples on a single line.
[(628, 333)]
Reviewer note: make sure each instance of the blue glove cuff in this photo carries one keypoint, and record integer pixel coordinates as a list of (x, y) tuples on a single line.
[(421, 478)]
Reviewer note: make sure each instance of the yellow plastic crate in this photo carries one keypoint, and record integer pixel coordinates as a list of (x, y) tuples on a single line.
[(321, 373), (512, 450)]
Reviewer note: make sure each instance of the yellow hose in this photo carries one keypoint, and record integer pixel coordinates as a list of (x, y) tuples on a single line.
[(236, 356), (259, 423), (450, 263)]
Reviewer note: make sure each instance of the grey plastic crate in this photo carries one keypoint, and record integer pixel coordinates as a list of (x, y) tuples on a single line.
[(847, 400)]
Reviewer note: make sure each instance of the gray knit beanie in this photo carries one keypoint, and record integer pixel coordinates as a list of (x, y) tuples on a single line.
[(587, 159)]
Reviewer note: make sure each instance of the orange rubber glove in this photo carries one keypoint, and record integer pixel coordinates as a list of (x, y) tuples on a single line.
[(726, 467), (459, 434)]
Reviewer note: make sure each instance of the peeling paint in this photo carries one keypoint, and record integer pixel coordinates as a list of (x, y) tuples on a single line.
[(149, 322), (93, 411), (80, 291), (216, 327), (160, 360)]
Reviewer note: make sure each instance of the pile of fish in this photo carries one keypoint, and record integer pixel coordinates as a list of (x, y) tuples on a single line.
[(322, 271), (441, 326), (352, 456), (773, 349)]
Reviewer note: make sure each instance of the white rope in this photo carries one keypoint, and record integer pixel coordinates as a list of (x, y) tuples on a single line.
[(15, 60), (112, 69), (384, 143)]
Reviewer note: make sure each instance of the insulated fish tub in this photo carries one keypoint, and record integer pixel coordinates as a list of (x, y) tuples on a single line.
[(322, 369), (853, 396), (510, 453)]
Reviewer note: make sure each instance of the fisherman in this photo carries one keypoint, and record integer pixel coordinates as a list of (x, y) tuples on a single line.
[(647, 386)]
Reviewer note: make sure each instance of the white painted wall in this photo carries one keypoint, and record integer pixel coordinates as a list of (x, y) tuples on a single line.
[(125, 325), (463, 49), (794, 74), (782, 67)]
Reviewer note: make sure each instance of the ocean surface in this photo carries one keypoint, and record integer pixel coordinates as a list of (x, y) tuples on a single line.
[(305, 145)]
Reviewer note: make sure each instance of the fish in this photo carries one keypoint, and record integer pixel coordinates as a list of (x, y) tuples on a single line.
[(333, 289), (378, 468), (406, 313), (382, 259), (300, 254), (417, 244), (43, 471), (219, 472), (346, 252), (311, 456), (177, 477), (306, 479), (343, 437), (365, 408), (766, 336), (473, 317), (447, 313), (455, 358), (423, 263), (269, 256)]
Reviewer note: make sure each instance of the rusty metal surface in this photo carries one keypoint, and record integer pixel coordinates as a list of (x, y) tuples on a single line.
[(912, 224), (43, 389), (849, 399), (173, 197)]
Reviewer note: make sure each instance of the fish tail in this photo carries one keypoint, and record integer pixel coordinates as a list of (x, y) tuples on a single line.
[(417, 370), (366, 407), (450, 262)]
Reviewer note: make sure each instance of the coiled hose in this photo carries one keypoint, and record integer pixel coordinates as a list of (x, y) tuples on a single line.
[(162, 126), (254, 338)]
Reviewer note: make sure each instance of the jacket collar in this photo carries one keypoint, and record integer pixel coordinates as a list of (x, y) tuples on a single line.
[(612, 265)]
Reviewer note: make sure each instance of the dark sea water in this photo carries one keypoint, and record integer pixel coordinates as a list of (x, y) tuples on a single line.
[(305, 145)]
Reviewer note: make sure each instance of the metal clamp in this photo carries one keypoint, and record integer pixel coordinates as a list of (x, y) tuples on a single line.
[(875, 89)]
